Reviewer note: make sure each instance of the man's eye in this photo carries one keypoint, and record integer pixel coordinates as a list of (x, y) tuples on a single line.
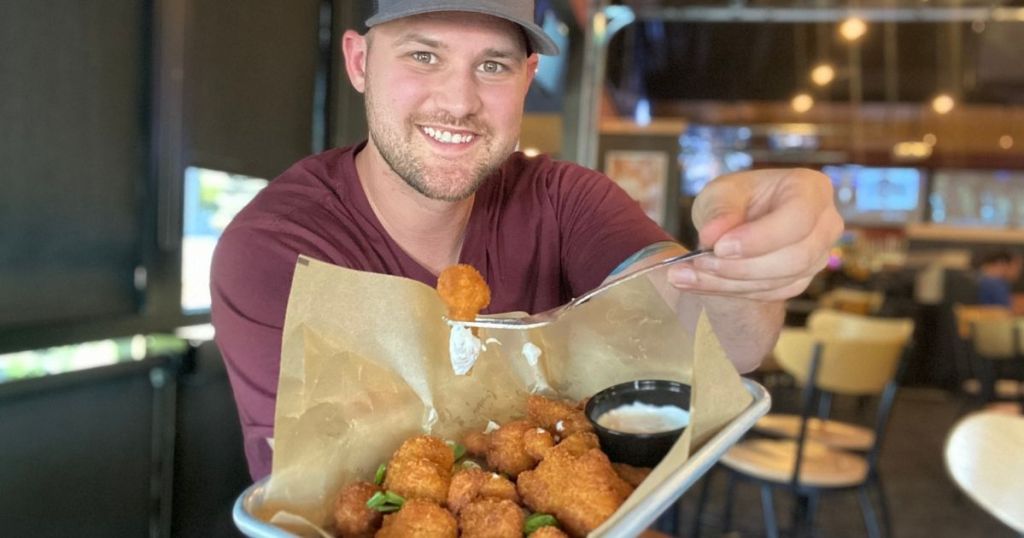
[(493, 67), (423, 57)]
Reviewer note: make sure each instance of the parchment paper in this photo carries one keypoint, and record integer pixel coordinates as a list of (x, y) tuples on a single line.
[(365, 365)]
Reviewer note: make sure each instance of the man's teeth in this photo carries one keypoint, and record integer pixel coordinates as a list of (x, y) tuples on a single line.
[(447, 136)]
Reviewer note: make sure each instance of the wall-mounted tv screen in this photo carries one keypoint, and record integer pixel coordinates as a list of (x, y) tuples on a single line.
[(978, 198), (877, 196)]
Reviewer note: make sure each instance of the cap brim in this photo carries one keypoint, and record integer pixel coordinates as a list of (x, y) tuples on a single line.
[(539, 41)]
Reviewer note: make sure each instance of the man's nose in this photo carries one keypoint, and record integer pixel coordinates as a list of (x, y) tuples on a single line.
[(458, 94)]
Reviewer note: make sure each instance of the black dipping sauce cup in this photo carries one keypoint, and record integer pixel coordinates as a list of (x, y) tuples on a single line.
[(638, 449)]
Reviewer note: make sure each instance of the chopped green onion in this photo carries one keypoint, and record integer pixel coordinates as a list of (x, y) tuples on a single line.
[(388, 508), (381, 471), (377, 500), (394, 498), (536, 521), (457, 448)]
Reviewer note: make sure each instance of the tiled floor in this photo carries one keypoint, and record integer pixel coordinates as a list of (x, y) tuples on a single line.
[(924, 501)]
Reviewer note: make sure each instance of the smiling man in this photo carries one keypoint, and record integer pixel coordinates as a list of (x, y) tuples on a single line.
[(439, 182)]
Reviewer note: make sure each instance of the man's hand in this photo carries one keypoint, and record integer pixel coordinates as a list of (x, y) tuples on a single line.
[(771, 231)]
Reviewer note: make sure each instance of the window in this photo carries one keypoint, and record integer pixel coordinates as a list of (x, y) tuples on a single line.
[(212, 199)]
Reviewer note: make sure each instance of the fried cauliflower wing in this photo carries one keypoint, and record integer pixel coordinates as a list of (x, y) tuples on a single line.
[(491, 518), (506, 452), (418, 478), (581, 492), (578, 443), (548, 532), (537, 442), (632, 475), (427, 447), (419, 519), (474, 484), (464, 291), (352, 519), (560, 417), (476, 444)]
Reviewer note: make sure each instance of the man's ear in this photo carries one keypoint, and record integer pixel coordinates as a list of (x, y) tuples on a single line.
[(354, 47), (531, 66)]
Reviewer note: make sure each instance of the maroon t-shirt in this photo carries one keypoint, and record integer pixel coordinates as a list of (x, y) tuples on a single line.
[(541, 232)]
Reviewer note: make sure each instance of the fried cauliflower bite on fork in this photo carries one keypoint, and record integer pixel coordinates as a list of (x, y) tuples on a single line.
[(492, 518), (421, 469), (475, 484), (352, 518), (463, 289), (581, 492), (419, 519)]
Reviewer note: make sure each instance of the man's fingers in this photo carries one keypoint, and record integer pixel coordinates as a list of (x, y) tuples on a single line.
[(794, 205), (693, 279), (712, 232), (721, 206), (789, 261)]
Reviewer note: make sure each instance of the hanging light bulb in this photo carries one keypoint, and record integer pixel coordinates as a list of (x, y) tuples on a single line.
[(822, 74), (943, 103), (802, 103), (930, 139), (1006, 141), (853, 29)]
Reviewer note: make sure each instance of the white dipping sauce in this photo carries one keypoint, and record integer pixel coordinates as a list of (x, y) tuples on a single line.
[(639, 417), (463, 348)]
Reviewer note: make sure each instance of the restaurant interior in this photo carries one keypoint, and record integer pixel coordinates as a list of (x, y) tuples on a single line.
[(134, 131)]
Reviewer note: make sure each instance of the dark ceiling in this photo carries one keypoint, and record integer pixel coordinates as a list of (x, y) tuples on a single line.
[(671, 61)]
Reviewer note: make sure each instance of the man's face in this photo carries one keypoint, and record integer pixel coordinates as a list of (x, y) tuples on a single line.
[(444, 98)]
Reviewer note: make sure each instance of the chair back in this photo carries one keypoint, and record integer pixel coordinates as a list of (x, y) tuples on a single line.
[(858, 354), (836, 324), (845, 354), (995, 338), (966, 315), (852, 300), (983, 457)]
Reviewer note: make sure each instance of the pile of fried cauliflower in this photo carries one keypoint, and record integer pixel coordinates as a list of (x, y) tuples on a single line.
[(544, 476)]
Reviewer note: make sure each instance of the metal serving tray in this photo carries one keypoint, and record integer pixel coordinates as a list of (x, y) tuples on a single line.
[(666, 493)]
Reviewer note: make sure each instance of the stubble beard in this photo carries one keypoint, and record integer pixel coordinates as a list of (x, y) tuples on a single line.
[(450, 180)]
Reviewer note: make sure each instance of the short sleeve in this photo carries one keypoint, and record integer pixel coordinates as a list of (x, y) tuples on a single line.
[(249, 284)]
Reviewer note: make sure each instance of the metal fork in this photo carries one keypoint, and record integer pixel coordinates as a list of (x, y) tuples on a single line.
[(548, 316)]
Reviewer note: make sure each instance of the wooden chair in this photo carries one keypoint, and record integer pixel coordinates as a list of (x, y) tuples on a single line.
[(853, 364), (797, 347), (983, 455)]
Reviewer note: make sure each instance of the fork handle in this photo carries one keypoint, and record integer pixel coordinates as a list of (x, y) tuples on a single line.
[(667, 261)]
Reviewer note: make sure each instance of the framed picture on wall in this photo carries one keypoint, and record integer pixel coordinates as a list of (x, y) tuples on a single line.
[(643, 175)]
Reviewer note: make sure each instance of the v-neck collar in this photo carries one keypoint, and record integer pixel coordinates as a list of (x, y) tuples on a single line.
[(472, 243)]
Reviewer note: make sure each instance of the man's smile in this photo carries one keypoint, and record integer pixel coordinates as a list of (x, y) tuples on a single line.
[(448, 136)]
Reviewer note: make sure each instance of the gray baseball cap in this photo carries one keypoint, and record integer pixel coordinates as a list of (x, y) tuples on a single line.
[(517, 11)]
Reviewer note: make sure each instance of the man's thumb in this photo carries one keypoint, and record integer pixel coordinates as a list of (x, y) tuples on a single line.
[(715, 227)]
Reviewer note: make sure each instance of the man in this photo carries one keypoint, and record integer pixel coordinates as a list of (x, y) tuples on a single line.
[(998, 272), (438, 182)]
